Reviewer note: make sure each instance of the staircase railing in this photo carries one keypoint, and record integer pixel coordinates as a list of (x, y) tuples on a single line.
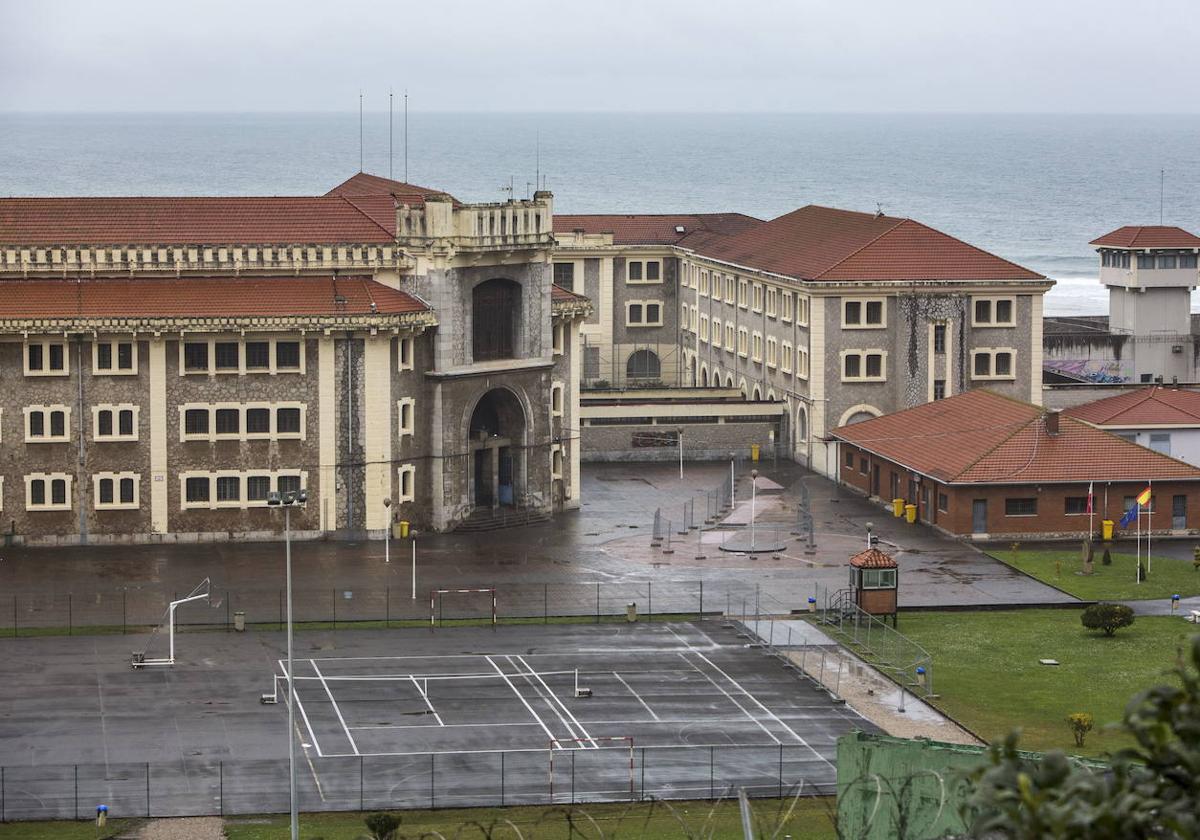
[(885, 646)]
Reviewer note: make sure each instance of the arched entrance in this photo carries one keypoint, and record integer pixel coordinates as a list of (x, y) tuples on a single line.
[(497, 441)]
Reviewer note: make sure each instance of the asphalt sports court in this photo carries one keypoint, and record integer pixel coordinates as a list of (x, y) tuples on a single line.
[(683, 710)]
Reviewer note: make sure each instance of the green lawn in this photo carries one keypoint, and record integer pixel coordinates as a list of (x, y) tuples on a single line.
[(63, 830), (809, 820), (986, 670), (1167, 576)]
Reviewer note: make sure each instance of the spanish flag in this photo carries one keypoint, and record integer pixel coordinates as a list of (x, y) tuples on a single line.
[(1143, 498)]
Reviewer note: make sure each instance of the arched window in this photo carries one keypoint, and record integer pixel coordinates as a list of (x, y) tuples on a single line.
[(801, 425), (495, 306), (703, 377), (757, 396), (643, 364)]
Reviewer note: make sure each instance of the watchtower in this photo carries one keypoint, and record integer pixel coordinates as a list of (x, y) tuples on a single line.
[(874, 578)]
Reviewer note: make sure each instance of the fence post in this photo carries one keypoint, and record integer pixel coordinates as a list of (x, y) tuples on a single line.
[(387, 608), (14, 616), (3, 816), (545, 603), (597, 602), (335, 609), (649, 601), (280, 609), (124, 611), (642, 788), (572, 777), (227, 608), (147, 789), (71, 632), (502, 779), (701, 600), (77, 792), (781, 770), (360, 783), (221, 787), (711, 779)]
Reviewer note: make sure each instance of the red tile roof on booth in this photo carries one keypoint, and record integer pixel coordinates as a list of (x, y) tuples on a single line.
[(655, 229), (873, 558), (558, 294), (823, 243), (195, 220), (226, 297), (1153, 406), (1148, 236), (980, 437)]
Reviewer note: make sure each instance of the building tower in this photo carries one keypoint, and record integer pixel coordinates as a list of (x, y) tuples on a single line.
[(1150, 272)]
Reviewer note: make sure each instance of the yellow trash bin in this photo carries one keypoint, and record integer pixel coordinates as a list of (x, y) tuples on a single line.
[(403, 529), (897, 508), (754, 452), (910, 513), (1106, 529)]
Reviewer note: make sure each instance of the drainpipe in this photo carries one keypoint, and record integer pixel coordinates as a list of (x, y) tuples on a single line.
[(79, 468), (349, 427)]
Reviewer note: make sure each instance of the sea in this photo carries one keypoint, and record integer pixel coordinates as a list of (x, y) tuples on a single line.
[(1034, 189)]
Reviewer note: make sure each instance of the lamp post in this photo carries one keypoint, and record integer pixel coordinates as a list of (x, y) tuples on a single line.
[(870, 540), (732, 480), (680, 453), (288, 500), (387, 537), (753, 500)]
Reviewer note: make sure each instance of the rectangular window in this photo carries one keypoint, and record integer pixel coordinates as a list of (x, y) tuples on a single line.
[(128, 491), (287, 355), (862, 313), (257, 488), (852, 366), (229, 488), (863, 465), (757, 300), (105, 496), (228, 421), (405, 353), (564, 275), (993, 312), (258, 421), (37, 492), (729, 289), (227, 354), (195, 356), (983, 364), (772, 302), (785, 306), (1073, 505), (939, 338), (983, 312), (46, 358), (125, 422), (104, 357), (635, 272), (1145, 261), (874, 365), (288, 484), (993, 364), (35, 357), (943, 502), (196, 489), (258, 355), (635, 314), (1003, 364), (58, 492), (1187, 260), (743, 293), (287, 421), (125, 356), (58, 424), (57, 354), (195, 421), (849, 459), (1020, 507), (653, 270), (404, 412), (939, 389), (407, 483), (104, 423), (47, 491)]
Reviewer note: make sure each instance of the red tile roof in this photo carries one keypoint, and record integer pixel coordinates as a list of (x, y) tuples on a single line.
[(560, 295), (823, 243), (192, 221), (366, 185), (655, 229), (980, 437), (226, 297), (1148, 236), (1152, 406), (873, 558)]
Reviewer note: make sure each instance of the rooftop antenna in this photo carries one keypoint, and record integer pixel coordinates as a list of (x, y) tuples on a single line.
[(537, 155), (391, 122), (406, 136), (878, 209), (360, 133), (1162, 186)]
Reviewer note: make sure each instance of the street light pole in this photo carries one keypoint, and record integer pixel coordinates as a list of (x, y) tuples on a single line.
[(753, 500), (681, 453), (287, 501), (387, 536), (732, 481)]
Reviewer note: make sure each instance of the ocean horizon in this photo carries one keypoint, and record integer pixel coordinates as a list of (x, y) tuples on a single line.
[(1032, 188)]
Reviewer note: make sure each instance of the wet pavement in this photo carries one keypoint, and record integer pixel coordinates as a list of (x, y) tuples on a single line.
[(608, 541)]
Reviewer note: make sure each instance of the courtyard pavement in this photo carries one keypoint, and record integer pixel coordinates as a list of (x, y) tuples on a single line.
[(607, 541)]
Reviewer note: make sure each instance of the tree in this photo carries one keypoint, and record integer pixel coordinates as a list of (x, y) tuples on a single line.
[(1081, 724), (1106, 558), (1151, 790), (1107, 617), (382, 826)]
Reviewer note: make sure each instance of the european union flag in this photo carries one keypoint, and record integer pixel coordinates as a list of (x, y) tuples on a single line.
[(1129, 516)]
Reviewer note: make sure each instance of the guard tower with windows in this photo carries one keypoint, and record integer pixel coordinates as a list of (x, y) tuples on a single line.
[(1150, 272), (873, 582)]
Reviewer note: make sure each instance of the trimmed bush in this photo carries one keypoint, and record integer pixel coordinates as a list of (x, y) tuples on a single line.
[(1081, 724), (382, 826), (1107, 617), (1106, 558)]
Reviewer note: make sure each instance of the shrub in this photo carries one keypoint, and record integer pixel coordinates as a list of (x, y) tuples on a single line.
[(1081, 724), (1106, 558), (1107, 617), (1141, 572), (382, 826)]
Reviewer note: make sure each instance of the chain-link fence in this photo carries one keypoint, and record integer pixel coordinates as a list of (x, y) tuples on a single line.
[(193, 787), (134, 610), (871, 637)]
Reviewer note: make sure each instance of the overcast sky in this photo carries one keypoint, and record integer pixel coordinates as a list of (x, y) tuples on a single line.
[(652, 55)]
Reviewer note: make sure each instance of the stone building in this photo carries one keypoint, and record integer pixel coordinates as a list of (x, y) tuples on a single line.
[(167, 362), (841, 316)]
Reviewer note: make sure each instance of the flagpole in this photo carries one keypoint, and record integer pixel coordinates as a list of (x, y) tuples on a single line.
[(1149, 522), (1139, 542), (1091, 511)]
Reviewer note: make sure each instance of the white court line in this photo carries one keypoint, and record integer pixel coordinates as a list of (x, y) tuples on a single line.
[(543, 750), (590, 651), (548, 701), (336, 708), (558, 700), (425, 697), (545, 729), (743, 709), (666, 722), (638, 697), (294, 697), (756, 701), (426, 677)]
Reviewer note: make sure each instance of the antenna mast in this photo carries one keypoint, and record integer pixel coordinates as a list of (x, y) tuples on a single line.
[(537, 153), (406, 136), (1162, 187), (360, 133), (391, 121)]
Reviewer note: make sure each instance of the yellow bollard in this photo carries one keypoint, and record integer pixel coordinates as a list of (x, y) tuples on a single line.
[(754, 452)]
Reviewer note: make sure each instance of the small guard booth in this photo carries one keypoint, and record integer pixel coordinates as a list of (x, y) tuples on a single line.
[(873, 581)]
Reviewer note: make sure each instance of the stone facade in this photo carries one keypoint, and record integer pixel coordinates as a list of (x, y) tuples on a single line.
[(381, 417)]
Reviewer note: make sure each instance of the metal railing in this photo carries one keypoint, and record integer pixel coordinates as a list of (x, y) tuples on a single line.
[(201, 787), (884, 646)]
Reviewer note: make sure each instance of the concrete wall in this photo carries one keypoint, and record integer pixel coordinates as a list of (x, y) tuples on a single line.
[(701, 441)]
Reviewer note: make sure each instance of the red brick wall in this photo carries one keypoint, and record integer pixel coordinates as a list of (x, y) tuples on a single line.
[(1051, 515)]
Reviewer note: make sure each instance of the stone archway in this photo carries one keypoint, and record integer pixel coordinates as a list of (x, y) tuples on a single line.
[(497, 433)]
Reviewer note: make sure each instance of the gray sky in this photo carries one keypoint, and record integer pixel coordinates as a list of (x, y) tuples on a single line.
[(653, 55)]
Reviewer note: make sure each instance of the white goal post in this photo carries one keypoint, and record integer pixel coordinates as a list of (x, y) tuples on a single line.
[(203, 591), (434, 593)]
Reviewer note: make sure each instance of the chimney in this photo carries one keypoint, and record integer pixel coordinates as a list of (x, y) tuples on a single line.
[(1051, 420)]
